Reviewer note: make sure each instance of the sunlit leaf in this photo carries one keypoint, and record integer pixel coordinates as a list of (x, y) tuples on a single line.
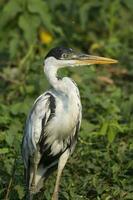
[(104, 128), (4, 150), (111, 134), (20, 191)]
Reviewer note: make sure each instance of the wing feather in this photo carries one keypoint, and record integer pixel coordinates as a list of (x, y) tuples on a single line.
[(35, 138), (36, 120)]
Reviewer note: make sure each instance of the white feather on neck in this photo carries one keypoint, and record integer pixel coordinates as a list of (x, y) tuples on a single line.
[(51, 66)]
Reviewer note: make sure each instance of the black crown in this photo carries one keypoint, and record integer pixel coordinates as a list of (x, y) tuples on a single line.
[(57, 52)]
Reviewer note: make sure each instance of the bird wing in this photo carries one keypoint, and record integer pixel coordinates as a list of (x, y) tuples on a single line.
[(35, 138), (43, 109)]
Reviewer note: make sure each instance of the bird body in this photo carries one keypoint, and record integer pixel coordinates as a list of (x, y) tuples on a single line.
[(58, 115), (53, 124)]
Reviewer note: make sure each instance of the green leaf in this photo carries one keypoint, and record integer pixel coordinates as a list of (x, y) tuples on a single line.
[(11, 9), (104, 128), (111, 134), (41, 8), (129, 4), (84, 12), (2, 136), (117, 126), (4, 120), (4, 150), (29, 24), (13, 47), (20, 191), (30, 89), (87, 128), (8, 165), (18, 108), (9, 138)]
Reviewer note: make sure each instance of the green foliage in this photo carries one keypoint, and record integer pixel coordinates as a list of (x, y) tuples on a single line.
[(101, 167)]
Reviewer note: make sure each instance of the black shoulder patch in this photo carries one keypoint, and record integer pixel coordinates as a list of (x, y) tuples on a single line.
[(52, 106), (43, 137)]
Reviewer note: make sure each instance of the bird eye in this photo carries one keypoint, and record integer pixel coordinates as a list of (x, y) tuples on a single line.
[(64, 55)]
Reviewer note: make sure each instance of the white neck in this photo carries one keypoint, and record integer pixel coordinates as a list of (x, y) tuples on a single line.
[(51, 67)]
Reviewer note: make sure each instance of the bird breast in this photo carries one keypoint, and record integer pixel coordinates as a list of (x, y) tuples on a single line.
[(66, 116)]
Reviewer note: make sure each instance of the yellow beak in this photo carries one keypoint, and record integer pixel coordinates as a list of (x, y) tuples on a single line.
[(88, 60)]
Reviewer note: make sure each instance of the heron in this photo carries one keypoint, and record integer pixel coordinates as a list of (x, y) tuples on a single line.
[(53, 124)]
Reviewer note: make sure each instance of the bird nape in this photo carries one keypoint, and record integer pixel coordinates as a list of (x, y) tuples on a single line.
[(53, 123)]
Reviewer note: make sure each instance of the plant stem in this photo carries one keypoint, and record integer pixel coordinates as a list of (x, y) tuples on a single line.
[(24, 59), (10, 181)]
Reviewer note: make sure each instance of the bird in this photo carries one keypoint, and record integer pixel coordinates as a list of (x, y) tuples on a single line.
[(52, 126)]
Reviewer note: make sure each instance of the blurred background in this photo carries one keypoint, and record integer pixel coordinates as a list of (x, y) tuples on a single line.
[(101, 167)]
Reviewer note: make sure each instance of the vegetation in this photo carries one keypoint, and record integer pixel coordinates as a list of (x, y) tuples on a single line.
[(101, 167)]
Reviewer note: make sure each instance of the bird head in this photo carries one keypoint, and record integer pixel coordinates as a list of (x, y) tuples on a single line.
[(67, 57)]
